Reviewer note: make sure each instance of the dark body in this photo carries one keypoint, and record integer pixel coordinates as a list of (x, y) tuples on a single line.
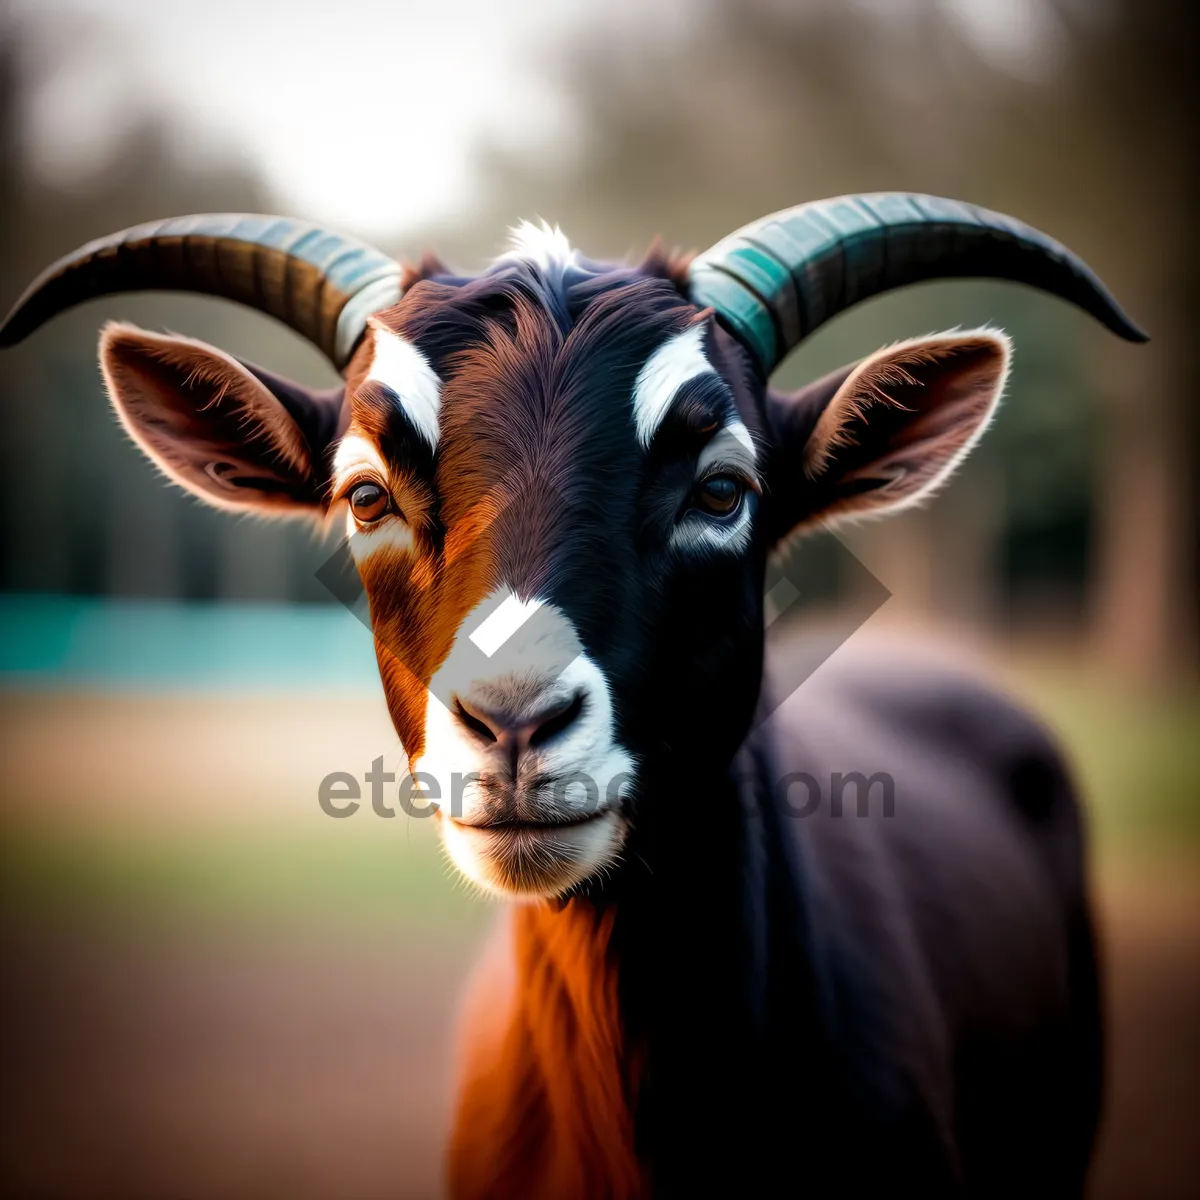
[(903, 1002)]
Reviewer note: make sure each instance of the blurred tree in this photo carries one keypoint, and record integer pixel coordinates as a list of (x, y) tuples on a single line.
[(1125, 141), (82, 513), (1076, 122), (1075, 114)]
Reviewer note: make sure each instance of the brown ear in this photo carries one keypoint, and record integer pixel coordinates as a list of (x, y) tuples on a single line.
[(884, 434), (236, 436)]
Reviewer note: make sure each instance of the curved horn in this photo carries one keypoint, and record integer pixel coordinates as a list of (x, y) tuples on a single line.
[(780, 278), (322, 284)]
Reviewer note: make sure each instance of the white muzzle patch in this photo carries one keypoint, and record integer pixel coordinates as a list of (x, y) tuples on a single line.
[(544, 818)]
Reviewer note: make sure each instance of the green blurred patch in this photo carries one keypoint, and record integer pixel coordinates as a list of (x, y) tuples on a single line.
[(238, 877), (1137, 759)]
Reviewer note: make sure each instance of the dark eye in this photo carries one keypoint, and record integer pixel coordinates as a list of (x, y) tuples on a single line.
[(369, 502), (718, 495)]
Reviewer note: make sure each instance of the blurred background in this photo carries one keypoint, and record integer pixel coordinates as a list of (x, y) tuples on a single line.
[(210, 988)]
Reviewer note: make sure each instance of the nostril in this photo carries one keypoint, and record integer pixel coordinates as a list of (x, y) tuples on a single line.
[(474, 721), (554, 723), (515, 731)]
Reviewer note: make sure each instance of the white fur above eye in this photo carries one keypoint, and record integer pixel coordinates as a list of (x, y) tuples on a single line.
[(354, 454), (679, 359), (399, 366)]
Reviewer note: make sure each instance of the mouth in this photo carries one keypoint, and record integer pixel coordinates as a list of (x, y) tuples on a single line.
[(555, 824), (528, 859)]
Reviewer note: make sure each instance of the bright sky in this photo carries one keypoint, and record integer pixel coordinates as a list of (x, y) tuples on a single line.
[(365, 114)]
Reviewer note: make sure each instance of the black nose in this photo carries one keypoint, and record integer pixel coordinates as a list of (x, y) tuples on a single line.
[(517, 730)]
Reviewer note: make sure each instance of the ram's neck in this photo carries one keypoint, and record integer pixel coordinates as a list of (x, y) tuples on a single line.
[(548, 1106), (628, 1024)]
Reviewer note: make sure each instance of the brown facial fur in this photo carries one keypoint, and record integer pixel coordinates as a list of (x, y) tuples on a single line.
[(531, 413)]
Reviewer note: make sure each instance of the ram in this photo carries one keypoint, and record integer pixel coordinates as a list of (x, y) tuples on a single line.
[(560, 482)]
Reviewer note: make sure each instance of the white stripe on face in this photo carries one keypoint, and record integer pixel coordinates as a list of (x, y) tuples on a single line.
[(730, 450), (353, 454), (357, 455), (389, 534), (398, 365), (680, 358), (696, 535), (677, 361)]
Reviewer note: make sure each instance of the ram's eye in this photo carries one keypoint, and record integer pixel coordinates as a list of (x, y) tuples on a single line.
[(718, 495), (369, 502)]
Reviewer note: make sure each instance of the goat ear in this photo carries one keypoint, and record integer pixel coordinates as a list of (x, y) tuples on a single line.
[(882, 435), (236, 436)]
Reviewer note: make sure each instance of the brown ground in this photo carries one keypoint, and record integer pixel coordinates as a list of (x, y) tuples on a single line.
[(294, 1058), (1149, 1147), (141, 1067), (137, 1069)]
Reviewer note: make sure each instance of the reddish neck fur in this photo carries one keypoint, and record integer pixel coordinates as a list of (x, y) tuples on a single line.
[(546, 1108)]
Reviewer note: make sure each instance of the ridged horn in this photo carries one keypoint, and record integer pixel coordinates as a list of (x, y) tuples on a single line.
[(323, 285), (780, 278)]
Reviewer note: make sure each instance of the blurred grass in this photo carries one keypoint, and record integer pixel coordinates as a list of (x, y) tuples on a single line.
[(1136, 758), (1138, 761), (241, 877)]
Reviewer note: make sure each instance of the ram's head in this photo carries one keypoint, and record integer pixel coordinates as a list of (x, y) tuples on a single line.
[(560, 479)]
